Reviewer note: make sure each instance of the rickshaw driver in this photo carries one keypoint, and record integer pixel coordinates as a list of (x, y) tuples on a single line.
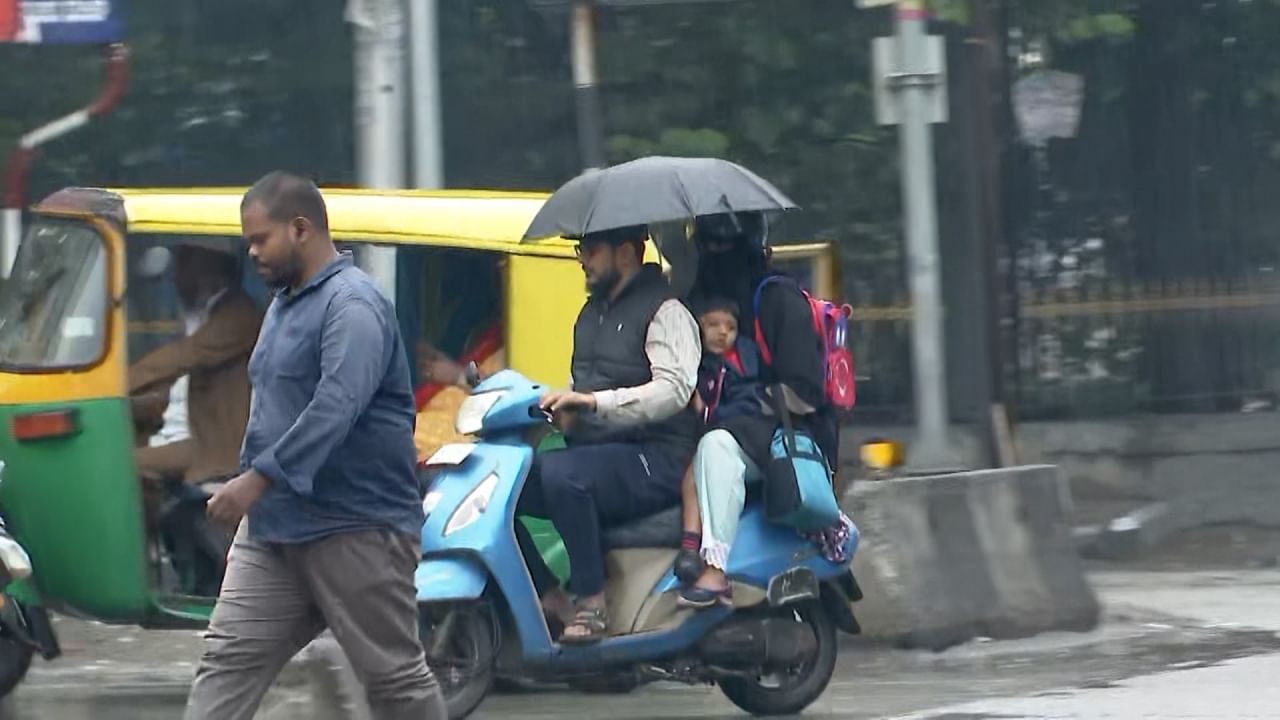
[(211, 360)]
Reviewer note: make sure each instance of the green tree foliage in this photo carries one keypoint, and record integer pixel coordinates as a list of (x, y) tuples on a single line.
[(219, 92), (782, 86), (1173, 167)]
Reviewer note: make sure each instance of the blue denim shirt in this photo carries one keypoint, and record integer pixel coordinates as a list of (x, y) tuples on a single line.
[(332, 413)]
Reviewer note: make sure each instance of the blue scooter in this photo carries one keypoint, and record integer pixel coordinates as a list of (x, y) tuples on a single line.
[(772, 653)]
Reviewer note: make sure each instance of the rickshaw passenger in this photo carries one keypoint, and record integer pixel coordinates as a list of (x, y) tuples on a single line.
[(470, 295), (444, 388), (208, 365)]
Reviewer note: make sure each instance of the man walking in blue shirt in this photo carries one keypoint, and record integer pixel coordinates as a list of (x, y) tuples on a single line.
[(328, 503)]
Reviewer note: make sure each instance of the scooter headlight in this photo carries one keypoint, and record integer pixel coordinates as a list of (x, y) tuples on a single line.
[(470, 418), (15, 559), (430, 502), (473, 506)]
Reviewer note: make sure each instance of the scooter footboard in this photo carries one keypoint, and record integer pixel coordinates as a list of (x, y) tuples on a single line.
[(441, 579)]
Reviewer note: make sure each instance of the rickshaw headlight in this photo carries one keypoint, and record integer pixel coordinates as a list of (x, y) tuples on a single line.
[(473, 506), (470, 418)]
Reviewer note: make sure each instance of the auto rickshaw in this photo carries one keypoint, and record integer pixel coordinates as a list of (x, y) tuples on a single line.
[(76, 311)]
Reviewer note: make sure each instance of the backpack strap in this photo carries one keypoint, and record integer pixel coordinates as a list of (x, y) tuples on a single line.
[(779, 402), (765, 353)]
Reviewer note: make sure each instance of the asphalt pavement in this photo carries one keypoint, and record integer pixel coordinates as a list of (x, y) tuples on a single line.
[(1174, 644)]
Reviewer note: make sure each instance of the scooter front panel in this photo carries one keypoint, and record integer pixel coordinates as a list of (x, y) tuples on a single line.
[(490, 541), (445, 578), (454, 486)]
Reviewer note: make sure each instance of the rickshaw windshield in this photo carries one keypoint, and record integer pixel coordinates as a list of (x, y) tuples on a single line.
[(53, 306)]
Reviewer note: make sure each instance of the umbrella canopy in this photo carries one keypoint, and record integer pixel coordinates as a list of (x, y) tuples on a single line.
[(653, 190)]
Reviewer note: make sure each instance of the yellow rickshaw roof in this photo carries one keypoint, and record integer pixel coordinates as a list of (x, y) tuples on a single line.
[(471, 219)]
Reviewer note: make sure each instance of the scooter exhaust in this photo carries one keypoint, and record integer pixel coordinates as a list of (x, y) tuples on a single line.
[(756, 642)]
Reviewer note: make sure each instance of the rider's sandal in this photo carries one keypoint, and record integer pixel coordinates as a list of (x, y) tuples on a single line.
[(701, 598), (594, 620)]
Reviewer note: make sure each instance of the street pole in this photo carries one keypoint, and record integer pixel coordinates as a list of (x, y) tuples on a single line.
[(424, 63), (379, 115), (582, 41), (10, 238), (14, 198), (916, 84)]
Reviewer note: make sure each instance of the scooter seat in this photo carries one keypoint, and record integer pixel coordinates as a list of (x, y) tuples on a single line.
[(661, 530)]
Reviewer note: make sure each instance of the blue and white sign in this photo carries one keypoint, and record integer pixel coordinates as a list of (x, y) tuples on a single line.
[(69, 22)]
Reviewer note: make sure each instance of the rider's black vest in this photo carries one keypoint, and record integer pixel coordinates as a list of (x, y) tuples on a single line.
[(608, 353)]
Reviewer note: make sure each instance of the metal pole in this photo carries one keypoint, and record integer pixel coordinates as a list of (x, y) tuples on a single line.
[(582, 39), (933, 449), (379, 115), (14, 199), (10, 238), (424, 62)]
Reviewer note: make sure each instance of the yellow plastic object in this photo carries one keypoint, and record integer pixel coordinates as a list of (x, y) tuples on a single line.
[(881, 454)]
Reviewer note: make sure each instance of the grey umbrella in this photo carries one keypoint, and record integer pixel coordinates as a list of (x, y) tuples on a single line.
[(653, 190)]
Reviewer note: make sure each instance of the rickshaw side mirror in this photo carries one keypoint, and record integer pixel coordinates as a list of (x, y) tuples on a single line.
[(154, 262)]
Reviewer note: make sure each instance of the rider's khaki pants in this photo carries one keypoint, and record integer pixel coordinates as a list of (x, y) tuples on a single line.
[(276, 598)]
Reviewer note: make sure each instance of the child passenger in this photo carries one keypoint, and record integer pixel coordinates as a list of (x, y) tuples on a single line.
[(728, 387)]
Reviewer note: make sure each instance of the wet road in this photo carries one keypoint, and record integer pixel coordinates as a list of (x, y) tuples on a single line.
[(1174, 645)]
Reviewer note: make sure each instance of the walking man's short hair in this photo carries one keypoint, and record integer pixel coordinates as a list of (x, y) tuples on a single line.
[(286, 196)]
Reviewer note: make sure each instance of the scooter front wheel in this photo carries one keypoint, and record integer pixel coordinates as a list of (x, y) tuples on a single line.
[(460, 647), (789, 691), (15, 660)]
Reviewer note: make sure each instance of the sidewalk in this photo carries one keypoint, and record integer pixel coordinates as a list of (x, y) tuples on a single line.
[(1236, 687)]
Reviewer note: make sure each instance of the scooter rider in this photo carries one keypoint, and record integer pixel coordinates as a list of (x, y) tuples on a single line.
[(733, 260), (629, 431)]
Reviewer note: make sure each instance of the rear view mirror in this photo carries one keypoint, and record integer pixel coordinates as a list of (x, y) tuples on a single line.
[(155, 262)]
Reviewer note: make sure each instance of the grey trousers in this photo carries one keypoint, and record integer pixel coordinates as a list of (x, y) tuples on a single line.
[(277, 598)]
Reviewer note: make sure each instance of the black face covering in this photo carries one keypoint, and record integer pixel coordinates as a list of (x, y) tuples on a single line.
[(733, 275)]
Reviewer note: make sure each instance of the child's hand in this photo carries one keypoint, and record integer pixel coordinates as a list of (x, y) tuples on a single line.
[(697, 404)]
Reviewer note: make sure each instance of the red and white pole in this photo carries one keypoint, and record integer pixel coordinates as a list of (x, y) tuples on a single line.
[(15, 189)]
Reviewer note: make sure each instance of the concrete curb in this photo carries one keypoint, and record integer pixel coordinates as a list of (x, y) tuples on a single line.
[(947, 558)]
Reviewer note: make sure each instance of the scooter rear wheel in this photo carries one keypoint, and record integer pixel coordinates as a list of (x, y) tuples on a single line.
[(462, 658), (790, 692)]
